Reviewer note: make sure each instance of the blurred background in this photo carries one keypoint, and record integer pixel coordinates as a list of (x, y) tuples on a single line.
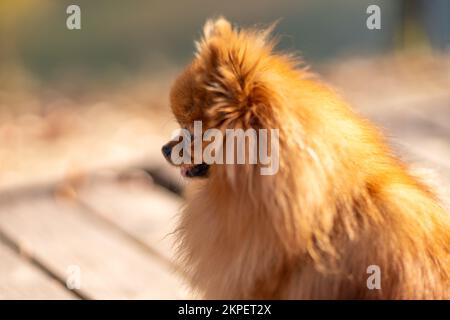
[(87, 201)]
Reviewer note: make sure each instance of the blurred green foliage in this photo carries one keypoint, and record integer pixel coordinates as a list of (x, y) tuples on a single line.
[(126, 36)]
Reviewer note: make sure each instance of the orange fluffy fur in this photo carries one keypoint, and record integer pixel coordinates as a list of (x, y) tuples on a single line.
[(339, 203)]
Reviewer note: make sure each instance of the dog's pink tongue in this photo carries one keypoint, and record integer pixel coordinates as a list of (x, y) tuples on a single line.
[(184, 171)]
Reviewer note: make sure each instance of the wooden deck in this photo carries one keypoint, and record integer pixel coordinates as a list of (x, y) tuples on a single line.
[(114, 227), (116, 232)]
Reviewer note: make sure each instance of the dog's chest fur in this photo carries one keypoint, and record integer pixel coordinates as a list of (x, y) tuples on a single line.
[(228, 253)]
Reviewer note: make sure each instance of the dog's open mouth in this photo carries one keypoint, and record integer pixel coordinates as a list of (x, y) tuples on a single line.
[(196, 170)]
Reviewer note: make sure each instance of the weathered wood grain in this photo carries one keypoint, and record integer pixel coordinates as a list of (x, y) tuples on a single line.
[(19, 279), (145, 211), (111, 266)]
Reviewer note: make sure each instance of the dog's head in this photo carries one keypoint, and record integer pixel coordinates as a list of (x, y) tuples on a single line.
[(227, 86)]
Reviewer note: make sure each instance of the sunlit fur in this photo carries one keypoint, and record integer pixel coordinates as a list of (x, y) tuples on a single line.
[(339, 203)]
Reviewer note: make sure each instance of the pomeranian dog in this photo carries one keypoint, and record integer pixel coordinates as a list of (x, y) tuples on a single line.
[(342, 218)]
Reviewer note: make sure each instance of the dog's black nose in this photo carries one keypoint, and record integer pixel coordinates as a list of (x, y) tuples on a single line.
[(166, 150)]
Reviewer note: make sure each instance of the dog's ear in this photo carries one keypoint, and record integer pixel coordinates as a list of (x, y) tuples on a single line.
[(216, 27), (235, 66), (207, 50)]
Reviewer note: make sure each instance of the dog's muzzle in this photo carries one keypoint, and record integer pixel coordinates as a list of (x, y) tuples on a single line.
[(189, 171)]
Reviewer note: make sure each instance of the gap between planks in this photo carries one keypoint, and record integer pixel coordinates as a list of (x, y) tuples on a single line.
[(45, 284), (149, 280)]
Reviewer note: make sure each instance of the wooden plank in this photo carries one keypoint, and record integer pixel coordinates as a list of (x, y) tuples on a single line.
[(19, 279), (145, 211), (94, 128), (61, 236), (436, 111), (433, 109)]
